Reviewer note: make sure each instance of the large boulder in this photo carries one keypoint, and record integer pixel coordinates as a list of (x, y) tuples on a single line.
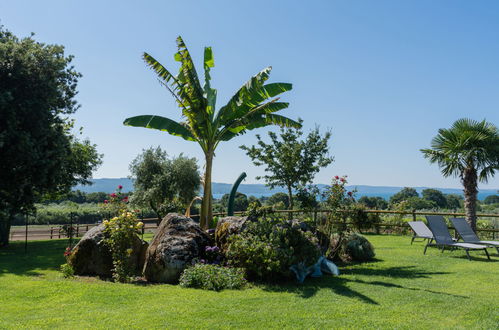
[(227, 227), (92, 257), (178, 240)]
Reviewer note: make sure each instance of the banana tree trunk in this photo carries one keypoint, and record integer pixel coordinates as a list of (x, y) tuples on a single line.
[(469, 180), (206, 205)]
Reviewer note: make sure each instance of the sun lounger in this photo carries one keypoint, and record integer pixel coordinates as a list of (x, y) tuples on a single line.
[(443, 238), (468, 235), (420, 231)]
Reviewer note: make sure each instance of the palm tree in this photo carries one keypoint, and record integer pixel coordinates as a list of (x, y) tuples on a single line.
[(253, 106), (470, 150)]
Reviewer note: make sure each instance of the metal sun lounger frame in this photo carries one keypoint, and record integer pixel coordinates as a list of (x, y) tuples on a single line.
[(443, 238), (468, 235)]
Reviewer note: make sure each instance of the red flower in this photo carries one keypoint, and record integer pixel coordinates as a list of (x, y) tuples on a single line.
[(106, 201), (125, 199), (349, 193), (342, 179), (113, 195), (336, 177), (67, 252), (120, 187)]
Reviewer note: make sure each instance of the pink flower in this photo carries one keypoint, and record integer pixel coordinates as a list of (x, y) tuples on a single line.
[(106, 201), (120, 187), (342, 179), (125, 199), (113, 195)]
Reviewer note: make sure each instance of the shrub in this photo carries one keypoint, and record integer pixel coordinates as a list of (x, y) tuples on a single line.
[(353, 247), (212, 277), (361, 219), (267, 248), (67, 271)]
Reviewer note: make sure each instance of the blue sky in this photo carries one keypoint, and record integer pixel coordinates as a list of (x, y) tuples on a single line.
[(384, 76)]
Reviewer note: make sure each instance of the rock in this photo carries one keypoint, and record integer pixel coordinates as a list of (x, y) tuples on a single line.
[(178, 240), (227, 227), (92, 257)]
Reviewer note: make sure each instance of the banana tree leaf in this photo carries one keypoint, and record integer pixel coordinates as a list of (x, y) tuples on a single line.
[(160, 123)]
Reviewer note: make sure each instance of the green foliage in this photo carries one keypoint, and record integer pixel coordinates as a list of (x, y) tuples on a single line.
[(278, 198), (435, 196), (39, 154), (358, 248), (468, 150), (67, 271), (165, 185), (377, 203), (417, 203), (403, 195), (254, 105), (120, 233), (361, 219), (212, 277), (454, 201), (307, 197), (492, 199), (241, 202), (289, 160), (267, 248)]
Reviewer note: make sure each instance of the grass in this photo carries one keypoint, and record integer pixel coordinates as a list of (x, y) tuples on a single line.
[(402, 289)]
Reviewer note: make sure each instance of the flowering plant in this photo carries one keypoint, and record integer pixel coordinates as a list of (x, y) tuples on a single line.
[(120, 232)]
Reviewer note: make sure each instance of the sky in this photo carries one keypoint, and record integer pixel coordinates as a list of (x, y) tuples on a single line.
[(383, 76)]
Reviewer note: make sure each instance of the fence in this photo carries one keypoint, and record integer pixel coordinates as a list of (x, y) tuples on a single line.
[(150, 224)]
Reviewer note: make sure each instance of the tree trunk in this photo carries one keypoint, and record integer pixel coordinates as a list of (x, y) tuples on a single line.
[(206, 205), (291, 204), (5, 221), (469, 180)]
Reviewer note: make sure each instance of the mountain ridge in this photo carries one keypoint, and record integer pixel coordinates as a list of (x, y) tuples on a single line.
[(109, 185)]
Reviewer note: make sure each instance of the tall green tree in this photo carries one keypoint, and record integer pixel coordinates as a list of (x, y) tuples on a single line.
[(404, 194), (289, 160), (436, 196), (164, 184), (469, 150), (254, 105), (39, 156)]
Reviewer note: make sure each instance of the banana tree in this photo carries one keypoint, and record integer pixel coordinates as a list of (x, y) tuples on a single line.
[(254, 105)]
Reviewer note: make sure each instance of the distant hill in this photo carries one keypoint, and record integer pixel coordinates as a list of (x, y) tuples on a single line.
[(258, 190)]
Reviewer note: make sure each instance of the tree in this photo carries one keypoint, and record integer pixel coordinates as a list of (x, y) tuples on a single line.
[(492, 199), (470, 150), (435, 196), (378, 203), (403, 195), (162, 184), (290, 161), (248, 109), (453, 201), (241, 202), (417, 203), (39, 156), (278, 198)]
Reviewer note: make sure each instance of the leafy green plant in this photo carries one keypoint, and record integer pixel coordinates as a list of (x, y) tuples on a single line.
[(67, 271), (362, 220), (268, 247), (254, 105), (120, 233), (212, 277), (353, 247)]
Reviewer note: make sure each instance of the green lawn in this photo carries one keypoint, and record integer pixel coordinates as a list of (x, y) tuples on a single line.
[(403, 289)]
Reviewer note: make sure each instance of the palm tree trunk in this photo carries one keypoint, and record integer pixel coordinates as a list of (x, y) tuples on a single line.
[(469, 180), (206, 205)]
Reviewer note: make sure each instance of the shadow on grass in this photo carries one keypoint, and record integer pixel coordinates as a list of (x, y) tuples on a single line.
[(341, 285), (41, 255)]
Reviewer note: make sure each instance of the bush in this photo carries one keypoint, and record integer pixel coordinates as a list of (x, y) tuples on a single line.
[(361, 219), (267, 248), (353, 247), (67, 271), (212, 277)]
